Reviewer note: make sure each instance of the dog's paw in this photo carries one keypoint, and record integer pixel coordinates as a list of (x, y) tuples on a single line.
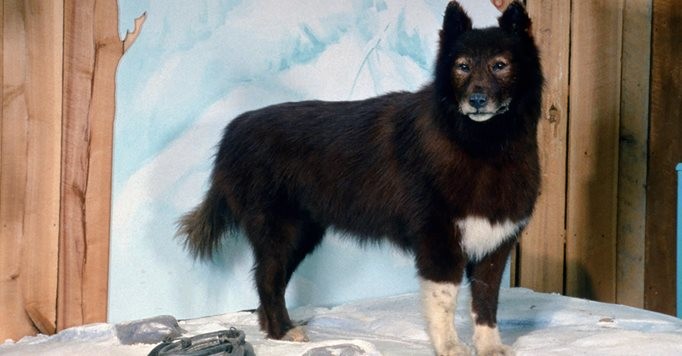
[(454, 348), (296, 334), (496, 350)]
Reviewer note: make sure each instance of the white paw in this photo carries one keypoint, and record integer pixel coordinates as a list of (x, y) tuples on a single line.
[(496, 350), (296, 334)]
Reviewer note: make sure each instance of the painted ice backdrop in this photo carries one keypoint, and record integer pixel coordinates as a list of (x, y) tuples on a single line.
[(194, 67)]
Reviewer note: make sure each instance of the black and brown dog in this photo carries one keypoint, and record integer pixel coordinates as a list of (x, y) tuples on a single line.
[(449, 173)]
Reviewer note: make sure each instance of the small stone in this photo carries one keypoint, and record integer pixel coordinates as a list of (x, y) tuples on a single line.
[(148, 331)]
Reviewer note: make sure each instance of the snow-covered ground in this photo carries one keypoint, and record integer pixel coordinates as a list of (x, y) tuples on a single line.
[(534, 323)]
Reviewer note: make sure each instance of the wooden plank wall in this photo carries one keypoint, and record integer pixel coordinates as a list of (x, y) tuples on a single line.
[(665, 150), (622, 143), (596, 39), (90, 71), (30, 172), (540, 259), (59, 61), (632, 175)]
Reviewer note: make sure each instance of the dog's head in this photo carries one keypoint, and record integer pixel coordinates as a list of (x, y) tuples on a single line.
[(483, 73)]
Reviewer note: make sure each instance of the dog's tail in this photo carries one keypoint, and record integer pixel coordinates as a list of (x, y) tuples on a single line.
[(204, 226)]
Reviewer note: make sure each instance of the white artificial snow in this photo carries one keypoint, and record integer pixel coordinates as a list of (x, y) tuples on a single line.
[(533, 323)]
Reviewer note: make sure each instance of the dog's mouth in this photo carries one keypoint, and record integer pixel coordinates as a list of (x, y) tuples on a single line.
[(481, 116)]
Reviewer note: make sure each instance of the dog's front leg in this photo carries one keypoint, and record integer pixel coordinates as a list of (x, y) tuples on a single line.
[(441, 261), (439, 299), (485, 277)]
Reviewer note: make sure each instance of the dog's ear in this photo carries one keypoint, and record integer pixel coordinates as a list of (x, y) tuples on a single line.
[(515, 19), (455, 22)]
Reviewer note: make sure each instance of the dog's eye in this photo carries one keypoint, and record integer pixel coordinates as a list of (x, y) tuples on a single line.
[(463, 67), (498, 66)]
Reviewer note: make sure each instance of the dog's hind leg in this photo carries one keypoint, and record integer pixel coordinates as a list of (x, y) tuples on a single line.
[(279, 246), (485, 277), (310, 236)]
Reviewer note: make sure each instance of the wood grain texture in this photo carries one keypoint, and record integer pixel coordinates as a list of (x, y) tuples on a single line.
[(79, 65), (596, 28), (83, 270), (92, 51), (541, 257), (58, 77), (44, 20), (31, 139), (632, 165), (665, 151), (15, 323)]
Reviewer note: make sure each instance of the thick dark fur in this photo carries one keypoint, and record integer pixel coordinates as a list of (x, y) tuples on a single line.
[(402, 166)]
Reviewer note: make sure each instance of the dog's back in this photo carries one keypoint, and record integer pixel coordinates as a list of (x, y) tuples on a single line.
[(340, 163)]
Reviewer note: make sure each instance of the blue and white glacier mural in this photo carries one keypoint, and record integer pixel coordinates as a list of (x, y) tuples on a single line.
[(194, 67)]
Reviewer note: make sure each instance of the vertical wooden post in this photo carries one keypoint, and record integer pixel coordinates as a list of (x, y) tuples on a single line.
[(596, 28), (665, 150), (12, 173), (541, 257), (632, 164), (29, 176), (91, 52)]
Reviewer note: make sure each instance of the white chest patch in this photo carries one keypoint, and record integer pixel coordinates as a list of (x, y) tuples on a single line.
[(480, 236)]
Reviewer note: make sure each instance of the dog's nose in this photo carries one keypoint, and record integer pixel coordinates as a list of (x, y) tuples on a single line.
[(478, 100)]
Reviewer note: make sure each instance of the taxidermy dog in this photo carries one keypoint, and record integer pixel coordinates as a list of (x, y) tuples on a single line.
[(449, 173)]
